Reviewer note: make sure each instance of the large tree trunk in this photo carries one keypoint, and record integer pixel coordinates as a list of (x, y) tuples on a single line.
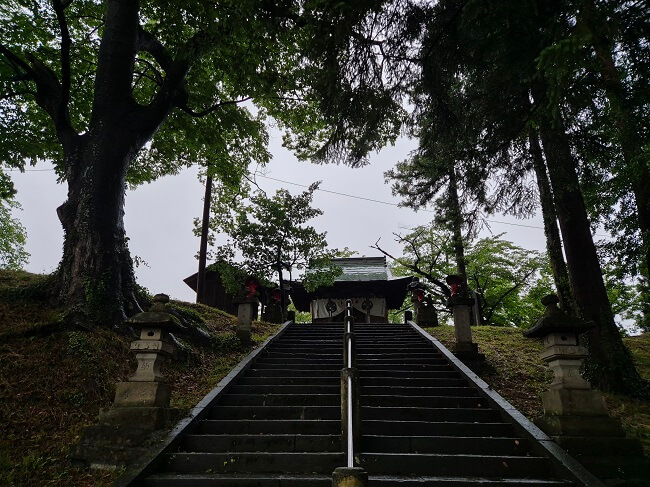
[(95, 278), (551, 230), (203, 247), (455, 216), (636, 171), (609, 365)]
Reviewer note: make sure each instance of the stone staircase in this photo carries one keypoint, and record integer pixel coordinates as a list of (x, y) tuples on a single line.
[(277, 422), (424, 424)]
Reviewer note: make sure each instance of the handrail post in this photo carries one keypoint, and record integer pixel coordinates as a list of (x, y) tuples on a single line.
[(350, 475)]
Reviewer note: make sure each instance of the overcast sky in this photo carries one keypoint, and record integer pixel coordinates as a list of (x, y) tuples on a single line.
[(159, 215)]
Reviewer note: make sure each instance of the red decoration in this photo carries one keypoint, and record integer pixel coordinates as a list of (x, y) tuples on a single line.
[(419, 294), (454, 289), (250, 286), (276, 295)]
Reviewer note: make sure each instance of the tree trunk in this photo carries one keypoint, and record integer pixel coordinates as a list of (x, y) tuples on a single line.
[(283, 299), (551, 230), (609, 365), (456, 222), (95, 278), (636, 171), (203, 247)]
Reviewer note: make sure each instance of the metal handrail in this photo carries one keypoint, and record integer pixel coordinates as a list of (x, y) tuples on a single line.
[(350, 398)]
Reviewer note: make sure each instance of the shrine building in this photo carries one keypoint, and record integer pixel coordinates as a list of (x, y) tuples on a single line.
[(366, 281)]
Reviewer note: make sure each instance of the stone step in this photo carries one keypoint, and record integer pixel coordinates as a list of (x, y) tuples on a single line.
[(460, 481), (392, 354), (270, 359), (261, 443), (273, 381), (314, 480), (286, 389), (404, 374), (292, 352), (306, 367), (430, 428), (282, 400), (417, 391), (238, 480), (276, 412), (471, 445), (242, 462), (330, 372), (260, 427), (389, 348), (414, 367), (365, 362), (424, 401), (464, 415), (410, 382), (501, 466)]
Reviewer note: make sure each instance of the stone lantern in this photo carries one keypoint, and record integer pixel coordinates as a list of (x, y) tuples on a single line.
[(247, 310), (141, 405), (146, 388), (569, 393), (465, 349), (425, 313), (575, 415)]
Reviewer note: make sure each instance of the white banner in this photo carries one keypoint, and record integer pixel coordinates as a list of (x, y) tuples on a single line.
[(319, 310)]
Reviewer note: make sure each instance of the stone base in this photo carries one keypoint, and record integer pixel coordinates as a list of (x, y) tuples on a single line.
[(109, 447), (590, 426), (574, 402), (144, 394), (146, 418), (244, 336), (349, 477), (122, 435), (468, 352)]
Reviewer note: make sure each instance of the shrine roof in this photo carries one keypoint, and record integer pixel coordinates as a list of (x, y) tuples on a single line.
[(363, 269)]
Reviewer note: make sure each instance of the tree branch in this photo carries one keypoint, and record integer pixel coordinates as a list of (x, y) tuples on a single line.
[(66, 42), (415, 268), (15, 60), (147, 42), (517, 285), (17, 93), (48, 90), (214, 107)]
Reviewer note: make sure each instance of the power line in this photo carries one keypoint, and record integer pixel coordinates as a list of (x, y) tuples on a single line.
[(385, 202), (348, 196)]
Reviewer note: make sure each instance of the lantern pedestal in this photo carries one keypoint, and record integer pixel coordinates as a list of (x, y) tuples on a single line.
[(465, 349), (576, 416), (246, 312)]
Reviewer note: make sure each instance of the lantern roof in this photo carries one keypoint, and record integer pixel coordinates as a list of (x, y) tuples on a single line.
[(555, 320)]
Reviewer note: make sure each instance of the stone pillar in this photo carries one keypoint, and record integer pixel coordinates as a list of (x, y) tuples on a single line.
[(246, 311), (141, 405), (575, 415), (465, 348)]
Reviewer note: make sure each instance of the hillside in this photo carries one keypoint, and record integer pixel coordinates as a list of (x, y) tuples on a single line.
[(517, 373), (54, 379)]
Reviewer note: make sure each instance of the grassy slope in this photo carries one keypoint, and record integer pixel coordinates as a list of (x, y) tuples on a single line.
[(53, 382), (519, 375)]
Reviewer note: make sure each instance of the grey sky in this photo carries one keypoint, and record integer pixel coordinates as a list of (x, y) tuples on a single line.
[(159, 216)]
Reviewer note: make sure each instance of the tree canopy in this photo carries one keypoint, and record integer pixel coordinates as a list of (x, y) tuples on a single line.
[(510, 279), (118, 93), (269, 235)]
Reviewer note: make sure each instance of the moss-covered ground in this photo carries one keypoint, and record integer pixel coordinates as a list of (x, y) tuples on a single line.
[(517, 373), (54, 379)]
